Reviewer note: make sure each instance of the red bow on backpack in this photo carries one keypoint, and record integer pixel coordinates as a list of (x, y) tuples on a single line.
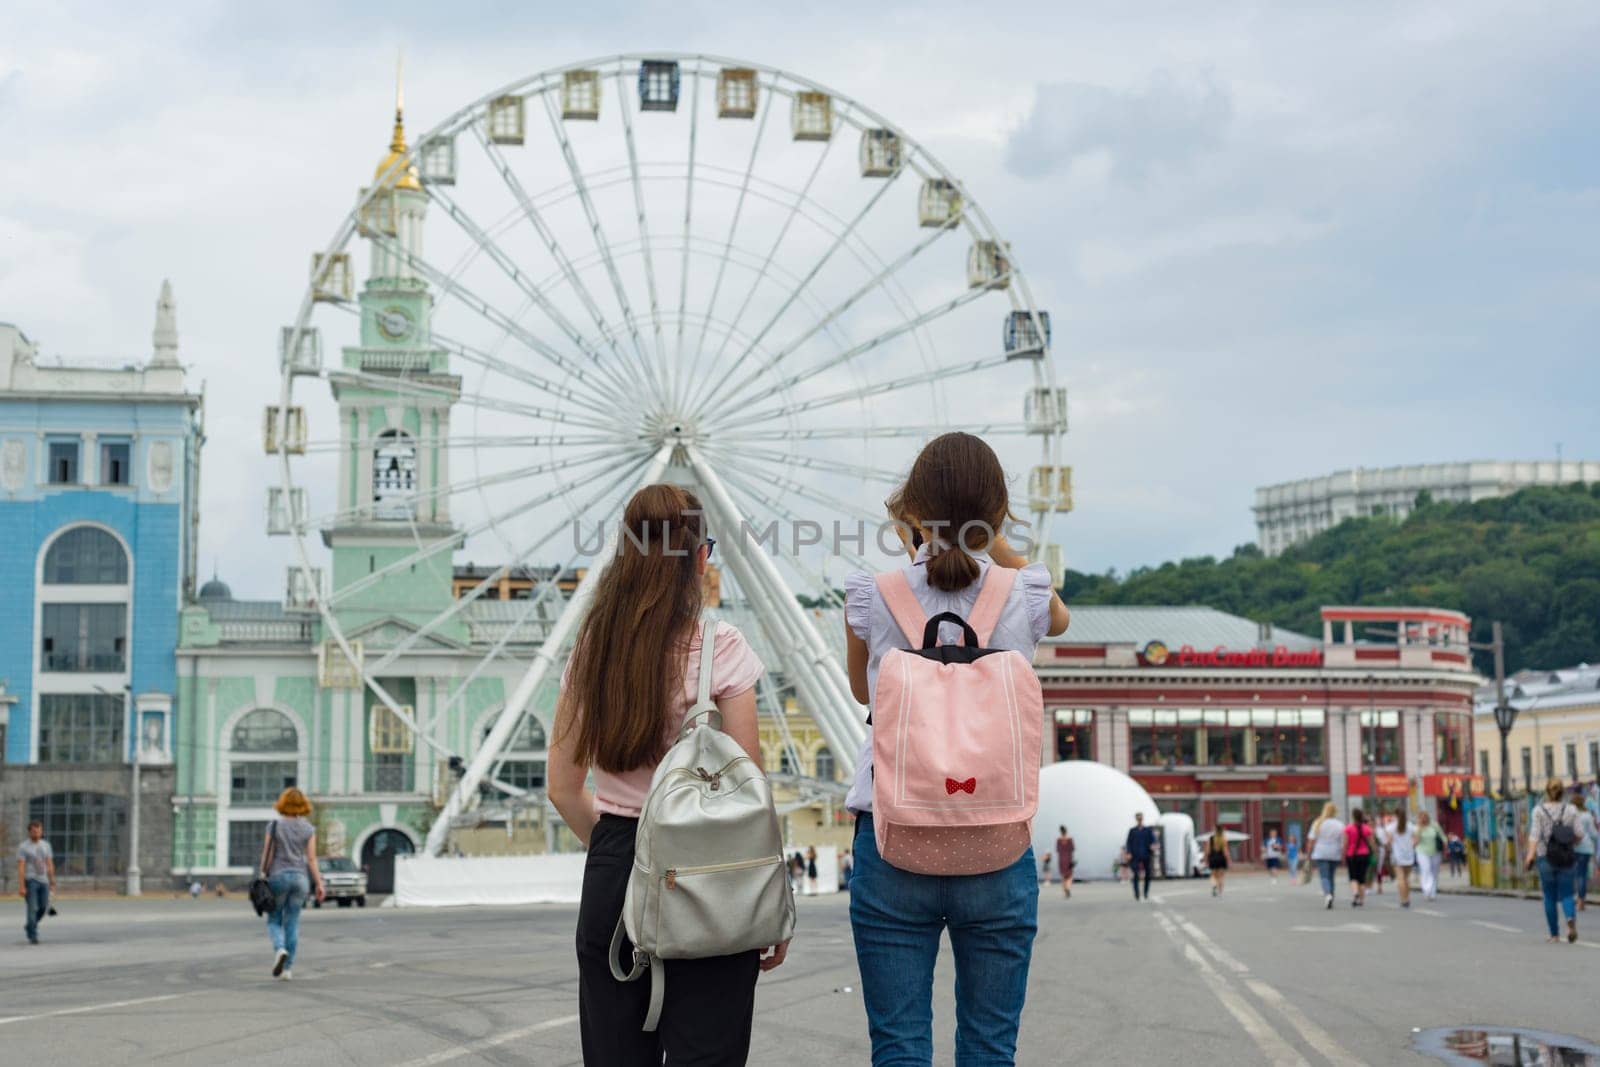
[(951, 785)]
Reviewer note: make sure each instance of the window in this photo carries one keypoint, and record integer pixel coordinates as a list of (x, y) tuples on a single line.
[(523, 762), (389, 733), (85, 831), (1164, 738), (115, 468), (81, 727), (265, 730), (824, 761), (1594, 759), (63, 462), (388, 773), (1452, 738), (83, 637), (1380, 738), (85, 555), (1572, 761), (1074, 734), (258, 783), (1549, 762), (1527, 768), (1287, 738), (245, 840), (1226, 739), (785, 762), (394, 476), (1483, 766)]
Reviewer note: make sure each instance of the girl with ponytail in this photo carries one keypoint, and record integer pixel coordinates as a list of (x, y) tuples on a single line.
[(951, 509)]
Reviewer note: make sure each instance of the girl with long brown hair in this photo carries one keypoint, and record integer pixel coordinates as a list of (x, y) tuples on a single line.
[(633, 674), (954, 505)]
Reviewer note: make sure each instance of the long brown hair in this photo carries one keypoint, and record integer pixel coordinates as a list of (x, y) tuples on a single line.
[(627, 664), (957, 492)]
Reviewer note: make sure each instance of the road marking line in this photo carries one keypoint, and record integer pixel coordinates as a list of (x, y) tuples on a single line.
[(488, 1042), (1342, 928), (1278, 1051), (1430, 913), (88, 1008), (1313, 1034), (1502, 927)]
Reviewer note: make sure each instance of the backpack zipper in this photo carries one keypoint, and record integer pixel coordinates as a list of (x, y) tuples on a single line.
[(719, 868), (684, 772)]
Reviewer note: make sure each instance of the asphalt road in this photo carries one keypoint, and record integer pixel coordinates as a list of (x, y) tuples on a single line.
[(1261, 975)]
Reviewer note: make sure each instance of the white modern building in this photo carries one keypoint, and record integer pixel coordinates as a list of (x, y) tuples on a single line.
[(1294, 511)]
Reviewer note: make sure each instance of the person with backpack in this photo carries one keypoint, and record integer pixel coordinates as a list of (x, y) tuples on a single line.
[(1326, 839), (1360, 849), (1553, 849), (1431, 847), (661, 707), (947, 779), (1587, 834)]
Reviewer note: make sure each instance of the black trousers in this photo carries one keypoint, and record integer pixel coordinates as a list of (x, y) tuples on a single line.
[(1134, 867), (706, 1016)]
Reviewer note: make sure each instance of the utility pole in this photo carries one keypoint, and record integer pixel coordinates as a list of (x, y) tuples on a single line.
[(1505, 716), (135, 885)]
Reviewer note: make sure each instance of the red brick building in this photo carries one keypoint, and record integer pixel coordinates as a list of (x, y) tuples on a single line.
[(1238, 724)]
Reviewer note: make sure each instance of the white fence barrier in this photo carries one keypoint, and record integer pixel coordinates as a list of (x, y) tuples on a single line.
[(451, 881)]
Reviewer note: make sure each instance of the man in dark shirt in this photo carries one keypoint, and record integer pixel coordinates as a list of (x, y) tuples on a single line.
[(1141, 843)]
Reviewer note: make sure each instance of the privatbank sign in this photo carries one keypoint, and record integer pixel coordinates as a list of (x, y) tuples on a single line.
[(1157, 654)]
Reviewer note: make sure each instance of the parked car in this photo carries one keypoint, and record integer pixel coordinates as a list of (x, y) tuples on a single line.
[(343, 881)]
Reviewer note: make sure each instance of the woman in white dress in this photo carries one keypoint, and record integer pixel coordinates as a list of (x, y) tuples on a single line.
[(1403, 850)]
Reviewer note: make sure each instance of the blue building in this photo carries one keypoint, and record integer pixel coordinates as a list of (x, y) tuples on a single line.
[(99, 471)]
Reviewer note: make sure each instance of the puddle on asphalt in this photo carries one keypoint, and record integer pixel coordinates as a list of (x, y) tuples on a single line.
[(1505, 1046)]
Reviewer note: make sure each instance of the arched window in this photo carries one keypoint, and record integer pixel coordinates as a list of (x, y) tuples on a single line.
[(258, 769), (825, 767), (85, 831), (523, 762), (394, 476), (785, 761), (86, 555)]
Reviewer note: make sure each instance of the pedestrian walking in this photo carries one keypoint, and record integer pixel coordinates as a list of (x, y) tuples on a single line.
[(1380, 854), (1138, 848), (1216, 860), (289, 864), (1272, 852), (634, 673), (947, 512), (1360, 846), (1431, 847), (36, 878), (1065, 847), (1326, 839), (1588, 838), (847, 866), (1455, 854), (811, 870), (1552, 849), (1403, 851), (1292, 849)]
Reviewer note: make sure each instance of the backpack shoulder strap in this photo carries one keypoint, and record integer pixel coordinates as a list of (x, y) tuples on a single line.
[(704, 706), (997, 584), (903, 605)]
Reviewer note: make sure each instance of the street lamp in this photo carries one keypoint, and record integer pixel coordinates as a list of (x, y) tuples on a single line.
[(135, 878)]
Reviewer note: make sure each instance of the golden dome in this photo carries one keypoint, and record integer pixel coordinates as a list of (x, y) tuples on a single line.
[(397, 145)]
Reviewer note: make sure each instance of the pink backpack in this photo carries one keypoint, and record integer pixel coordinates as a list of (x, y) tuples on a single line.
[(956, 739)]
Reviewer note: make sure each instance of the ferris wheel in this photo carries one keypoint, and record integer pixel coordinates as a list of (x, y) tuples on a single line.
[(645, 268)]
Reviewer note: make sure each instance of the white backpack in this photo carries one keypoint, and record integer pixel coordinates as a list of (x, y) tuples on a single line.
[(708, 870)]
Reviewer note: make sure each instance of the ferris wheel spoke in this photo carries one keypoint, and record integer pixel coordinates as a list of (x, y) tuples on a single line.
[(531, 212), (511, 370), (515, 274), (597, 232), (644, 227), (411, 387), (776, 508), (535, 596), (733, 228), (865, 391), (777, 480), (777, 242), (792, 459), (839, 242), (688, 229), (456, 539), (922, 432), (450, 286), (872, 285), (916, 322), (456, 488), (458, 443)]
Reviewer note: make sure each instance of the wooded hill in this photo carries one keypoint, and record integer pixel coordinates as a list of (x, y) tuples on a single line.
[(1531, 560)]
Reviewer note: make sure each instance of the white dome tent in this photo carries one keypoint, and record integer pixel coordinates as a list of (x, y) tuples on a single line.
[(1096, 803)]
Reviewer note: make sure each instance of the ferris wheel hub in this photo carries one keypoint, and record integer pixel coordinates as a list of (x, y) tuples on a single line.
[(669, 428)]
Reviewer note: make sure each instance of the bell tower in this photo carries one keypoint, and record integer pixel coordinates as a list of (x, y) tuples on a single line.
[(395, 394)]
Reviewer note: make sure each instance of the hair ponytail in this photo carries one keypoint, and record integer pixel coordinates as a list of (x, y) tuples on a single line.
[(957, 491)]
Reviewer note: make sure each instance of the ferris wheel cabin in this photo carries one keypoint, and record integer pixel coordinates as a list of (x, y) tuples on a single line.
[(736, 93), (659, 83), (580, 95), (939, 203), (812, 116), (882, 153)]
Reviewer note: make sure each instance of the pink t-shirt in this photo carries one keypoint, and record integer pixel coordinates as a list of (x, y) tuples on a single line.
[(735, 668)]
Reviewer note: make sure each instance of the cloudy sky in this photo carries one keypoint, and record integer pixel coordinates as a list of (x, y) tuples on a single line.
[(1274, 244)]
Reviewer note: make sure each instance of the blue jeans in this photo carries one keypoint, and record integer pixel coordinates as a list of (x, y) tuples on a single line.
[(1557, 883), (283, 923), (38, 901), (897, 918), (1580, 887), (1326, 870)]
